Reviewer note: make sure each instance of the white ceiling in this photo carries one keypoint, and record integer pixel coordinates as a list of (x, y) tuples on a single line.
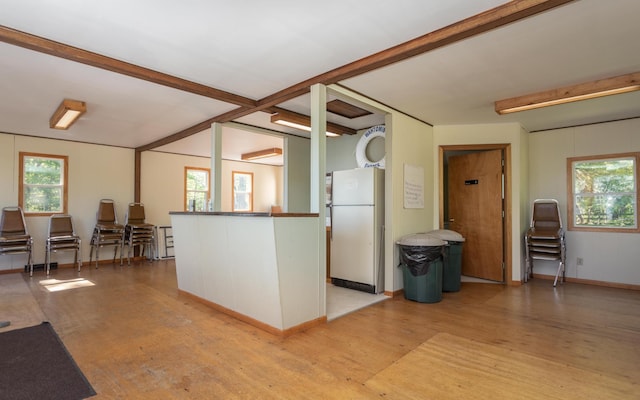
[(255, 48)]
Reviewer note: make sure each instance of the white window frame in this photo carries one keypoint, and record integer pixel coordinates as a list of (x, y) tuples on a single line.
[(237, 193)]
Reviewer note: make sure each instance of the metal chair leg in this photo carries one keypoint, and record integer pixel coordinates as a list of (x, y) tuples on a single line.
[(560, 268)]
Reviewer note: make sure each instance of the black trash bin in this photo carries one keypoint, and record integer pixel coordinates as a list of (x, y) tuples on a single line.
[(452, 260), (421, 262)]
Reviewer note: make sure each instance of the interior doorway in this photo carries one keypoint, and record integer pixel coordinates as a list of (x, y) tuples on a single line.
[(474, 201)]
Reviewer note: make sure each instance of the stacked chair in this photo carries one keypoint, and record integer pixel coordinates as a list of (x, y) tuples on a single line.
[(14, 237), (544, 239), (107, 232), (137, 233), (62, 237)]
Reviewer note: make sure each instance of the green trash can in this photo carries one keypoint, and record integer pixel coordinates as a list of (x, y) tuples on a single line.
[(452, 260), (421, 262)]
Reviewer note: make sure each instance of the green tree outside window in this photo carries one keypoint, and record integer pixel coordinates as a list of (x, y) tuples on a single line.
[(196, 188), (43, 183), (604, 192)]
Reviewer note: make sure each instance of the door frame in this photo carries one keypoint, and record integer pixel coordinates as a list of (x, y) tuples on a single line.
[(507, 225)]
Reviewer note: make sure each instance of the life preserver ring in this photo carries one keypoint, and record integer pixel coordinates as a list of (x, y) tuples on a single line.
[(361, 147)]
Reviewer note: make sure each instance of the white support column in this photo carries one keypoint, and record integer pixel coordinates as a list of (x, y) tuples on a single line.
[(285, 175), (318, 147), (318, 170), (215, 177)]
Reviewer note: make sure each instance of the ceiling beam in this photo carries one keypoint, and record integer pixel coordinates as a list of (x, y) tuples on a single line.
[(302, 120), (62, 50), (222, 118), (197, 128), (480, 23), (192, 130), (583, 91)]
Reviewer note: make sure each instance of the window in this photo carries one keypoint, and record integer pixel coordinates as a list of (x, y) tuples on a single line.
[(43, 184), (196, 188), (242, 191), (603, 193)]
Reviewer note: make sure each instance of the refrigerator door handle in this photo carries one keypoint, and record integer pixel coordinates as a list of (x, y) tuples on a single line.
[(331, 222), (331, 210)]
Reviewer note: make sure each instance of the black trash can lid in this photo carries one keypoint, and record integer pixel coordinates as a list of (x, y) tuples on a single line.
[(421, 239), (447, 235)]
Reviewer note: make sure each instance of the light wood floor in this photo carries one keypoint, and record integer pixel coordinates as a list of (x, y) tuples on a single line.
[(135, 337)]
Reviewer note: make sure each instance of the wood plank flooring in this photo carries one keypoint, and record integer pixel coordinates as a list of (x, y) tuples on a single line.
[(134, 336)]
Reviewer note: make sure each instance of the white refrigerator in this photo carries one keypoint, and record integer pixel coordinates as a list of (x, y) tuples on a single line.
[(357, 229)]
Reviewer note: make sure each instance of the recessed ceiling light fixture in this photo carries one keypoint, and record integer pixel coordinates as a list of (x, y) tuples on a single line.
[(67, 113), (254, 155), (568, 94), (302, 122)]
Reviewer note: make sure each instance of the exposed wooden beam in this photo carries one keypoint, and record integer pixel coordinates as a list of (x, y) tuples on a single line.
[(285, 117), (199, 127), (475, 25), (192, 130), (226, 117), (270, 152), (480, 23), (62, 50), (567, 94)]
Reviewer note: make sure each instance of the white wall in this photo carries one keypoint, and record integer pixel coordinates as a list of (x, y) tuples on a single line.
[(510, 133), (95, 172), (608, 257), (341, 151), (8, 174), (162, 183), (267, 184), (297, 175), (409, 141)]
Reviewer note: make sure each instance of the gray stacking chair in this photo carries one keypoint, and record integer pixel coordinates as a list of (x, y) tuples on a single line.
[(544, 239), (107, 232), (14, 237), (137, 233), (62, 237)]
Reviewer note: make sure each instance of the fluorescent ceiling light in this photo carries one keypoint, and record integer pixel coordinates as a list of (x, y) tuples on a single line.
[(275, 151), (568, 94), (67, 113), (302, 122)]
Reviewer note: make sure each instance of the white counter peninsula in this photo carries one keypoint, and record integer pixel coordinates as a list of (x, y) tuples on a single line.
[(257, 267)]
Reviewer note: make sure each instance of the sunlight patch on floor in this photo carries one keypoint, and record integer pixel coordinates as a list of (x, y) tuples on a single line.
[(55, 285)]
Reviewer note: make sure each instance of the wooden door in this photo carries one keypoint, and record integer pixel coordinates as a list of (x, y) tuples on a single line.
[(475, 211)]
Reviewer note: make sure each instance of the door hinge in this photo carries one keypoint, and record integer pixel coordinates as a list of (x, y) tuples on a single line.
[(502, 214), (503, 265)]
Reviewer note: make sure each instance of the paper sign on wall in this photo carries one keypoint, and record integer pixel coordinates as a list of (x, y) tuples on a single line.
[(413, 186)]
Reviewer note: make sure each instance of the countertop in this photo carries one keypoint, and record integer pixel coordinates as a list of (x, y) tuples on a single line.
[(244, 214)]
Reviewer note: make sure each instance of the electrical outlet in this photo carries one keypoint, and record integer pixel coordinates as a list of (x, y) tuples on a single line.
[(579, 261)]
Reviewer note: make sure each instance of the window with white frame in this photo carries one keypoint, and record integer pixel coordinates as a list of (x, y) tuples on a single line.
[(242, 191), (196, 188), (603, 193), (43, 184)]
